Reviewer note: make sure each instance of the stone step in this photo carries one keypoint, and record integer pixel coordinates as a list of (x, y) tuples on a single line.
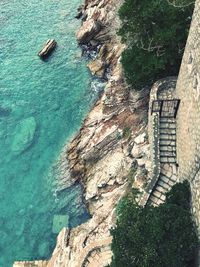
[(167, 142), (153, 200), (169, 120), (164, 149), (165, 125), (161, 196), (167, 180), (156, 201), (167, 136), (161, 189), (156, 193), (171, 126), (157, 196), (164, 178), (167, 159), (168, 123), (166, 153), (167, 147), (161, 183), (168, 131), (173, 180)]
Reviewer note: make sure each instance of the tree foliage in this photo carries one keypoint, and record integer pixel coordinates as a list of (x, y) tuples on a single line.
[(163, 236), (155, 32)]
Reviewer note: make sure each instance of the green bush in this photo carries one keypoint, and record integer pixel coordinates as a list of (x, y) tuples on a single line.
[(126, 133), (155, 33), (163, 236), (131, 176)]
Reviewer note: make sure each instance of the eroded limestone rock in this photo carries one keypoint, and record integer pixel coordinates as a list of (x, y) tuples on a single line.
[(88, 30), (97, 67)]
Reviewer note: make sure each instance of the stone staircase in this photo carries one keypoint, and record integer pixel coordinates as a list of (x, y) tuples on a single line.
[(97, 253), (99, 258), (168, 166)]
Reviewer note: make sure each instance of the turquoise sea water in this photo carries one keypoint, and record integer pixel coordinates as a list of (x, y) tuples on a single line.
[(42, 105)]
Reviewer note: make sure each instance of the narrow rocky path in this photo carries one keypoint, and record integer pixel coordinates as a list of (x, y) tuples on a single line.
[(168, 164), (99, 257), (97, 253)]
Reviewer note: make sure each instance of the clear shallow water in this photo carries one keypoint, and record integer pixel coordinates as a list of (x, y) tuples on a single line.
[(41, 105)]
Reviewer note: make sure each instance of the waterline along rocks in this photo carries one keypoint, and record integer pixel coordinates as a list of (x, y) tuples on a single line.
[(42, 104), (103, 154)]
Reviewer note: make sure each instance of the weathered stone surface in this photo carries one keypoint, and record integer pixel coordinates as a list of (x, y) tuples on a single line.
[(137, 151), (140, 139), (140, 177), (188, 118), (109, 168), (97, 67), (88, 30)]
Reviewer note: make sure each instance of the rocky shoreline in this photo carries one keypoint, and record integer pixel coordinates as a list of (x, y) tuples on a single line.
[(110, 149)]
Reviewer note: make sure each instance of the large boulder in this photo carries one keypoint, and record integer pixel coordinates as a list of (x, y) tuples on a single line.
[(97, 67), (88, 30), (24, 135)]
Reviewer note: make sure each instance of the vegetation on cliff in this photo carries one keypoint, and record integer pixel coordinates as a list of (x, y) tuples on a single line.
[(155, 32), (163, 236)]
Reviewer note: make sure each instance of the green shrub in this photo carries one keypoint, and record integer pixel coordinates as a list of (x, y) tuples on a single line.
[(163, 236), (131, 176), (126, 133), (155, 33)]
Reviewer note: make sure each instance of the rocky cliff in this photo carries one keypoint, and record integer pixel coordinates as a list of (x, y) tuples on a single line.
[(111, 147)]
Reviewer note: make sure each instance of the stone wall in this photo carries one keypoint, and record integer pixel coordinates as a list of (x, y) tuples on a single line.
[(188, 118)]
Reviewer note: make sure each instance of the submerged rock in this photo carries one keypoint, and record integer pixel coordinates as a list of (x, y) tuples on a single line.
[(21, 227), (4, 112), (4, 235), (24, 135), (43, 249), (59, 222)]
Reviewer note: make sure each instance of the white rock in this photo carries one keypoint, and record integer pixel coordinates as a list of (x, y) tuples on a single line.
[(140, 139), (141, 162), (137, 151)]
